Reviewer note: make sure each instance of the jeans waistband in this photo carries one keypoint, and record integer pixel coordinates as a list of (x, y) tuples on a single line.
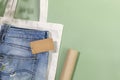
[(12, 31)]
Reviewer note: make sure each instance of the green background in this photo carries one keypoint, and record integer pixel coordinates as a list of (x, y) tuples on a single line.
[(91, 27)]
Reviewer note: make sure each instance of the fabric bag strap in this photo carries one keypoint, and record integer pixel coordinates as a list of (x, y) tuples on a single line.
[(42, 14), (7, 12), (43, 10)]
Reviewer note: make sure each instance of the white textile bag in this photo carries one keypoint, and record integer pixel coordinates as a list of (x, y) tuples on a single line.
[(54, 29)]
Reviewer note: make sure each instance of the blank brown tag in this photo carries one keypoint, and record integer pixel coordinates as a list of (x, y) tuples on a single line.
[(42, 45)]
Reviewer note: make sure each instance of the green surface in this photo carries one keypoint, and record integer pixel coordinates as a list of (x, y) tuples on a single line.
[(93, 28), (27, 9)]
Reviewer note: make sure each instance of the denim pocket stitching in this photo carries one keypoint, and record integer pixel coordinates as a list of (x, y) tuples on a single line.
[(16, 57), (18, 46), (23, 37)]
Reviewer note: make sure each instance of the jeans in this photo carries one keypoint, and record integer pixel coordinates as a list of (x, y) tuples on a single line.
[(16, 59)]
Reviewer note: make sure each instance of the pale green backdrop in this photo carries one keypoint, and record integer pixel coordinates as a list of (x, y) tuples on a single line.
[(90, 26)]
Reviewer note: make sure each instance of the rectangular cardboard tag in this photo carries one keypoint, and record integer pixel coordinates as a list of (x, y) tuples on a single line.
[(42, 45)]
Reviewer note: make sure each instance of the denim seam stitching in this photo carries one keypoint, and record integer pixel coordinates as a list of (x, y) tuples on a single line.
[(18, 46), (23, 37)]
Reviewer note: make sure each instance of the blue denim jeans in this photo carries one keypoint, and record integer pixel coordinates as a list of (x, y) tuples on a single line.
[(16, 60)]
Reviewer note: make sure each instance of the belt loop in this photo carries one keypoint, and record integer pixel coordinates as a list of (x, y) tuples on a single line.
[(3, 32)]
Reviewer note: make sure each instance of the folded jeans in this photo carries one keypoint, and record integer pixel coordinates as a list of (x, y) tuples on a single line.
[(16, 59)]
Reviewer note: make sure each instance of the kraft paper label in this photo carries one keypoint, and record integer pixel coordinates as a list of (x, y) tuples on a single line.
[(42, 45)]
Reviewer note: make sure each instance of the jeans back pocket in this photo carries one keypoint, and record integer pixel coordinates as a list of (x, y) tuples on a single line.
[(16, 67)]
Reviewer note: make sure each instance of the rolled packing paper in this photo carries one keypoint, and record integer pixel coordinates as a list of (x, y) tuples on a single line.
[(69, 65)]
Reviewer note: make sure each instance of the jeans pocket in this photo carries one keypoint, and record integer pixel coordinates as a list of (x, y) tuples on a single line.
[(16, 67)]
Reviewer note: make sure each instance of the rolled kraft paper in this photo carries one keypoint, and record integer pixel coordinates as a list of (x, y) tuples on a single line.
[(69, 65)]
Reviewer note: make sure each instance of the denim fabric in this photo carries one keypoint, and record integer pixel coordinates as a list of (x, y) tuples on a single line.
[(16, 60)]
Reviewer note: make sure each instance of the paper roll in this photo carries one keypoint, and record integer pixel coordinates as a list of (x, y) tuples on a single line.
[(69, 65)]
